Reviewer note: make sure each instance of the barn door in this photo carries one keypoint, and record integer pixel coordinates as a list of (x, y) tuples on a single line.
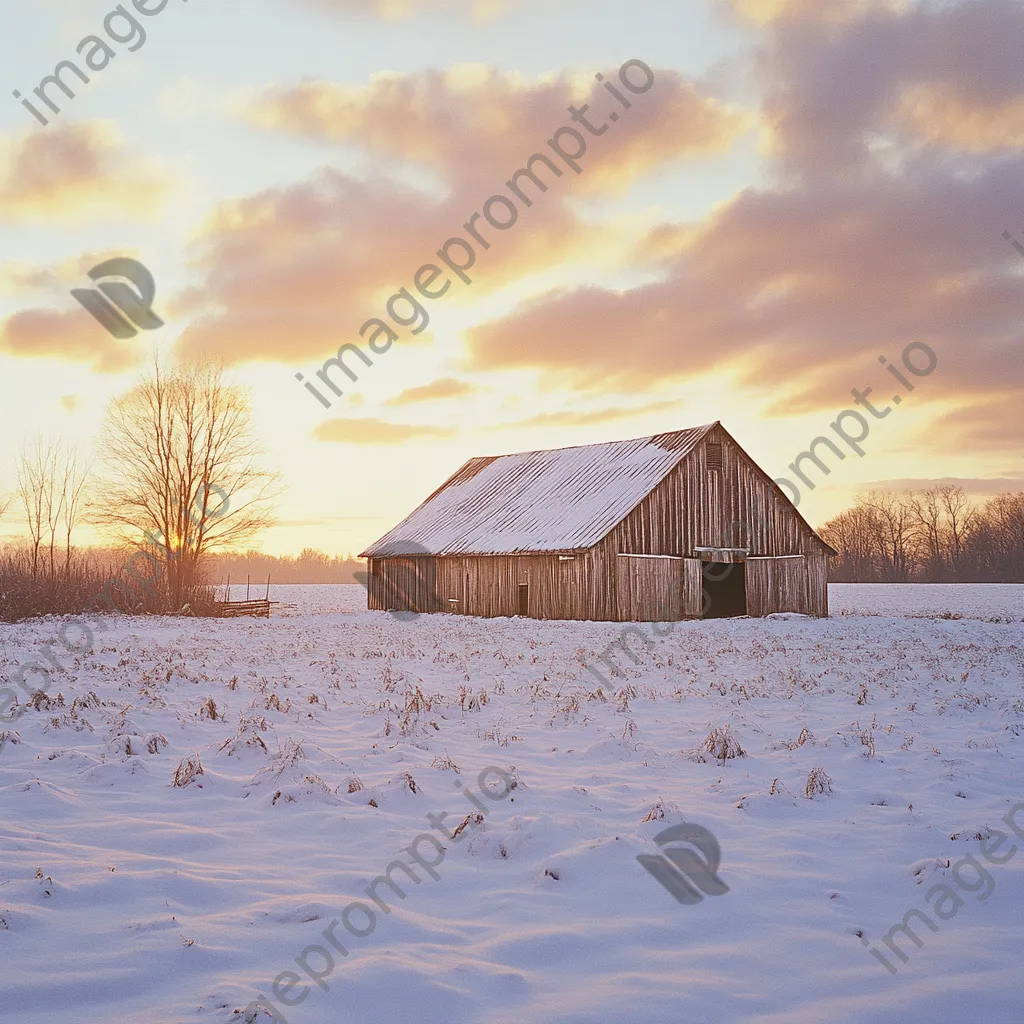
[(649, 587), (777, 585)]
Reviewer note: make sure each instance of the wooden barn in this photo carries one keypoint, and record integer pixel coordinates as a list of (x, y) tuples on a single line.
[(679, 525)]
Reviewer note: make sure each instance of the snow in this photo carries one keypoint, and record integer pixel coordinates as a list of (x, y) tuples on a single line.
[(158, 904), (995, 601)]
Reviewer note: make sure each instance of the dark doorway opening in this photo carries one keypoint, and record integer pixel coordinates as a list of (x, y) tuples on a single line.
[(524, 599), (725, 590)]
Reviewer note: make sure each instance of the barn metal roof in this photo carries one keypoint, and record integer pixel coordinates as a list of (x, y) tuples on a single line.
[(563, 499)]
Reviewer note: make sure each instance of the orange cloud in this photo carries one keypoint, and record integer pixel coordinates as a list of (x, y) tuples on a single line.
[(53, 280), (397, 10), (75, 172), (476, 124), (766, 11), (937, 113), (446, 387), (588, 417), (798, 292), (374, 431), (293, 273), (892, 84), (878, 233), (72, 335)]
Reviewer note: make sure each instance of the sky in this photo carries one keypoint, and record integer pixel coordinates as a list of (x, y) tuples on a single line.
[(789, 192)]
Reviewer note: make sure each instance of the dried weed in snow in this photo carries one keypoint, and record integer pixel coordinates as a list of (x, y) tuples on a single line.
[(187, 771), (818, 784), (719, 744)]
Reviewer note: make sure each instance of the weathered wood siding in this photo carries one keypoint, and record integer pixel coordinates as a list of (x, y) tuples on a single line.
[(736, 506), (650, 588), (488, 585), (817, 584), (776, 585), (693, 588), (403, 584)]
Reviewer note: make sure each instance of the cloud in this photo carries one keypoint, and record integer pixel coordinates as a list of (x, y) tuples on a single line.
[(476, 124), (873, 234), (54, 280), (399, 10), (374, 431), (589, 417), (62, 329), (941, 113), (445, 387), (76, 172), (766, 11), (973, 485), (874, 87), (293, 272), (70, 335), (70, 402)]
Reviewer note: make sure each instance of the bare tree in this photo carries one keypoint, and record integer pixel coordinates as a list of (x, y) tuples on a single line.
[(181, 475), (961, 517), (34, 494), (892, 533), (51, 478), (925, 508), (937, 533), (853, 534)]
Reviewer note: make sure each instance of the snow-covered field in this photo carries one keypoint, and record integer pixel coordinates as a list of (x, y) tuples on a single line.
[(124, 898)]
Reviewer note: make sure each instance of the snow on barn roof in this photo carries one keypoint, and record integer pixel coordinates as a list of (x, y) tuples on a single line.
[(562, 499)]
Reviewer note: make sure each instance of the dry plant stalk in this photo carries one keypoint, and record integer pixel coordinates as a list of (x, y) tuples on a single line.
[(720, 744), (475, 819), (656, 813), (818, 784), (187, 771)]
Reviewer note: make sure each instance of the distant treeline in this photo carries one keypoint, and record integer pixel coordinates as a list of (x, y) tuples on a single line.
[(309, 566), (31, 585), (929, 536)]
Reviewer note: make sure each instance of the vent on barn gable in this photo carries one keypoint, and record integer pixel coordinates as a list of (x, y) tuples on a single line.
[(713, 455)]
